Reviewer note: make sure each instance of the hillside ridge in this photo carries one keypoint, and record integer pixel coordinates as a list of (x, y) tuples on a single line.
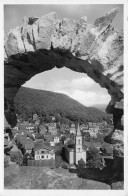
[(29, 101)]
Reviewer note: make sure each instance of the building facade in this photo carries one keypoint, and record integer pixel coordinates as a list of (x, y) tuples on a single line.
[(44, 152)]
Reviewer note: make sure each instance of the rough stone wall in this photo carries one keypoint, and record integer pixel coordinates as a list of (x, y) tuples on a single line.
[(40, 44)]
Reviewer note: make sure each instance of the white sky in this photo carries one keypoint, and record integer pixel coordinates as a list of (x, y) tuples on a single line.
[(76, 85)]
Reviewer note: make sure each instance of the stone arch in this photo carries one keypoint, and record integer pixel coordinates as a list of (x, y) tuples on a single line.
[(40, 44)]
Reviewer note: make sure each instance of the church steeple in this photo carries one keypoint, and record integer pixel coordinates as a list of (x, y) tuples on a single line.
[(78, 133), (78, 146)]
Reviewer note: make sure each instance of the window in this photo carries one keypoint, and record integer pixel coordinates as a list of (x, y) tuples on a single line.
[(42, 151), (47, 156), (78, 141), (37, 157), (78, 149), (42, 156)]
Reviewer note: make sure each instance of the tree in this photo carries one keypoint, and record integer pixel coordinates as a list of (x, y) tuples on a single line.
[(58, 152), (72, 136), (48, 119), (17, 156), (42, 118), (100, 137), (86, 136), (57, 117), (58, 161), (63, 139), (25, 159), (81, 163), (64, 120), (94, 158)]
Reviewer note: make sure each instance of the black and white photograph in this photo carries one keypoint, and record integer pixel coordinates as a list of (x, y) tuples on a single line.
[(63, 114)]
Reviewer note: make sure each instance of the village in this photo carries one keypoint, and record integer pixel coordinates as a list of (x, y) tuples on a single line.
[(56, 144)]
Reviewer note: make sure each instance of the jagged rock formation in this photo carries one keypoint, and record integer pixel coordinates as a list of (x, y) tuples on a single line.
[(40, 44)]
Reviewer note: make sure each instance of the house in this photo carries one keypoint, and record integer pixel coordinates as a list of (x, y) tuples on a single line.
[(28, 146), (43, 151), (22, 127), (92, 124), (35, 117), (56, 139), (48, 137), (83, 127), (25, 144), (75, 151), (52, 139), (52, 128), (52, 143), (31, 136), (54, 131), (64, 126), (53, 118), (25, 122), (30, 128), (37, 122), (73, 125), (93, 130), (42, 129), (72, 129)]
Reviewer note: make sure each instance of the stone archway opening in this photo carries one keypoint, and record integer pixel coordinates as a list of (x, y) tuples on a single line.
[(40, 44), (75, 85)]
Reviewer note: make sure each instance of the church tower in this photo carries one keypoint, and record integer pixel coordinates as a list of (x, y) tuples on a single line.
[(78, 146)]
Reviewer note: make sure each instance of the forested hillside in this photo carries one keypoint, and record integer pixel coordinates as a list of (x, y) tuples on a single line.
[(29, 101)]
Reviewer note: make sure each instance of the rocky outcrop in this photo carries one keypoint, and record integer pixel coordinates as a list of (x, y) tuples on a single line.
[(40, 44)]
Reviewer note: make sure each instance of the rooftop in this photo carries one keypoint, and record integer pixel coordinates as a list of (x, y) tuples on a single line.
[(29, 146), (42, 145)]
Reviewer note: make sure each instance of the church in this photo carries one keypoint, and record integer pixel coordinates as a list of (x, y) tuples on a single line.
[(74, 152)]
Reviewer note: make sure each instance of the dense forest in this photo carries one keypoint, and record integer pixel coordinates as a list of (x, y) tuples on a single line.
[(29, 101)]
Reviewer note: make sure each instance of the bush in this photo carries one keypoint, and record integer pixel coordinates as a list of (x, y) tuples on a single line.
[(81, 163), (94, 158), (17, 157), (58, 152), (58, 161), (64, 166)]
